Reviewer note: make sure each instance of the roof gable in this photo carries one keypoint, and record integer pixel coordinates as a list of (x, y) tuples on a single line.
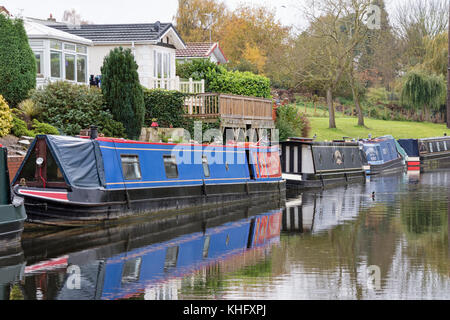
[(202, 50)]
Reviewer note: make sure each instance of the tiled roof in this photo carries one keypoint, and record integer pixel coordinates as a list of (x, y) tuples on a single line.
[(196, 50), (117, 32)]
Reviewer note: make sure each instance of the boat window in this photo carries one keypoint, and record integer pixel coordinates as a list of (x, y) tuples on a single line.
[(171, 258), (131, 270), (206, 246), (170, 165), (205, 166), (130, 167), (438, 147), (431, 146), (445, 145)]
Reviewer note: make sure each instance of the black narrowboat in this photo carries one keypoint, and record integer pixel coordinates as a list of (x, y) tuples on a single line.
[(428, 153), (72, 181), (309, 164), (12, 210)]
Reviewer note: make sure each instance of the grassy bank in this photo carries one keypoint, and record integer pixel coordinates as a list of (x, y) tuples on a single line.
[(347, 127)]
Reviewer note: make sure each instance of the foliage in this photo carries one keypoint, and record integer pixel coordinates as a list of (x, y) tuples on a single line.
[(436, 54), (240, 83), (71, 108), (291, 123), (44, 128), (219, 79), (166, 106), (20, 128), (28, 109), (122, 90), (421, 90), (5, 117), (377, 96), (17, 61)]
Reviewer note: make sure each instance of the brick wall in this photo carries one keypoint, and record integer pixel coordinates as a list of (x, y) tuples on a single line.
[(14, 163)]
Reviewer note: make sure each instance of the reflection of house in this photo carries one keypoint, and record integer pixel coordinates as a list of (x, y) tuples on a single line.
[(59, 55), (202, 50)]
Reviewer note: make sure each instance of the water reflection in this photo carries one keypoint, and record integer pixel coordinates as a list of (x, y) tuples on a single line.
[(319, 245)]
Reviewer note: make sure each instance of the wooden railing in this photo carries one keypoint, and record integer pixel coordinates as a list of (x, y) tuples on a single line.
[(186, 86), (212, 105)]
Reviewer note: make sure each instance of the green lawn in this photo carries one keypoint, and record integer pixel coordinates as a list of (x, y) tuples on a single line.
[(347, 127)]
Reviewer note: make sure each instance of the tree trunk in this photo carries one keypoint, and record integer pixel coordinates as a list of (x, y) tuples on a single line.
[(358, 107), (332, 122)]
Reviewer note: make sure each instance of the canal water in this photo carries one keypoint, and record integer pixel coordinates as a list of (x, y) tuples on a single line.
[(386, 238)]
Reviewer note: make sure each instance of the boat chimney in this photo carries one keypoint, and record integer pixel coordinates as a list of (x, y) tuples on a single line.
[(93, 132)]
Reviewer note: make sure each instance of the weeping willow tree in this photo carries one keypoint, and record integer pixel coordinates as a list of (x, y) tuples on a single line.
[(425, 92)]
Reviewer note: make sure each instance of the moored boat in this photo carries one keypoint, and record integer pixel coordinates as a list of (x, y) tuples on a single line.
[(429, 153), (383, 155), (309, 164), (72, 181), (12, 210)]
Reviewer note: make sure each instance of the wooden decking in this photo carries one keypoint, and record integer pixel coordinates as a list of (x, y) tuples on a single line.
[(215, 105)]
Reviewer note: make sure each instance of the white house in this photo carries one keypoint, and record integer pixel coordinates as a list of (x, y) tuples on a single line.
[(201, 50), (59, 55), (154, 46)]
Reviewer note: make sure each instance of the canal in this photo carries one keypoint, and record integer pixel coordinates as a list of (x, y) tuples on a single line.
[(384, 239)]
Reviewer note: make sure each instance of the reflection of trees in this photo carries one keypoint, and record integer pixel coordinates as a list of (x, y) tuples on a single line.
[(425, 223)]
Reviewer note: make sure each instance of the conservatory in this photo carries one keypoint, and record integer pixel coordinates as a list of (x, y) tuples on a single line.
[(59, 55)]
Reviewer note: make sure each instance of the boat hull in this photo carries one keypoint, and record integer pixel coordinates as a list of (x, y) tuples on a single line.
[(396, 165), (111, 205), (323, 181), (431, 162), (11, 224)]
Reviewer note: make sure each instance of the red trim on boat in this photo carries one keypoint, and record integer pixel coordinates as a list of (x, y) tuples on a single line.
[(50, 264), (53, 195), (413, 163), (413, 168)]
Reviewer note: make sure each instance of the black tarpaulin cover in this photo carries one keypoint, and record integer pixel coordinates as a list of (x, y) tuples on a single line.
[(78, 160)]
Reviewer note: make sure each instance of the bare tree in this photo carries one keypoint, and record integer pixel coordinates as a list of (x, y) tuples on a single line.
[(336, 29)]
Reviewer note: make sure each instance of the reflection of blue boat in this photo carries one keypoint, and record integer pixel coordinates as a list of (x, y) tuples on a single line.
[(125, 270), (12, 210), (383, 155), (429, 153), (72, 181)]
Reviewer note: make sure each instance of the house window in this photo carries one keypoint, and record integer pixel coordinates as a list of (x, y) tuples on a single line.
[(170, 165), (130, 167), (57, 45), (81, 49), (39, 64), (205, 166), (69, 47), (70, 67), (55, 64), (81, 68), (162, 64)]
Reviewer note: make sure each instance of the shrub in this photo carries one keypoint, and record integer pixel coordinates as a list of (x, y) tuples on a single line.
[(70, 107), (240, 83), (28, 109), (377, 96), (17, 62), (218, 79), (166, 106), (291, 123), (19, 128), (44, 128), (112, 128), (6, 117), (122, 90)]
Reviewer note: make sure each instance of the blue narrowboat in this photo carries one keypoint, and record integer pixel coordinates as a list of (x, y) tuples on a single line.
[(383, 155), (427, 154), (74, 180), (141, 267), (310, 164), (12, 210)]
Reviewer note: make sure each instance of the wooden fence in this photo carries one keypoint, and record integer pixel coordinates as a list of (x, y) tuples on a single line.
[(213, 105)]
